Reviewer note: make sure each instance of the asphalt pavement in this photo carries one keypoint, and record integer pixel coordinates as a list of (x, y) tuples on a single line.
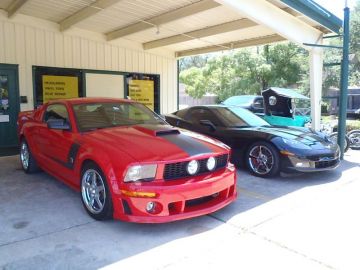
[(302, 221)]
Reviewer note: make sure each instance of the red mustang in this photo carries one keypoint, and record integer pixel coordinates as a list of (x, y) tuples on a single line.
[(127, 162)]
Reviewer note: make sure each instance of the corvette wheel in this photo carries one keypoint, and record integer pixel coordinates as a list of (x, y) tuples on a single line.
[(95, 193), (263, 159), (26, 158)]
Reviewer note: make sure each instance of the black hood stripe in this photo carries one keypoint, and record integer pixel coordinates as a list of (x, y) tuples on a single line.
[(188, 144)]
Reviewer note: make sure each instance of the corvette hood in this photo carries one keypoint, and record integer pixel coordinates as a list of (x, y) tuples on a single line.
[(155, 142), (302, 135)]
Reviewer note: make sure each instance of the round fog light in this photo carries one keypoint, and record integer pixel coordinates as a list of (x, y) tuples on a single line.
[(211, 163), (150, 207), (192, 167)]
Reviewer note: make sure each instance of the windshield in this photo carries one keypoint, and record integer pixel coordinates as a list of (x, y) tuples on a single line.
[(239, 117), (239, 100), (104, 115)]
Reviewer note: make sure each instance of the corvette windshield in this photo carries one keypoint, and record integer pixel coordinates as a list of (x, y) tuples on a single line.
[(239, 117), (104, 115)]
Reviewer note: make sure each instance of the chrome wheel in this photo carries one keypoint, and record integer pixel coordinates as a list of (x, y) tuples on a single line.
[(24, 155), (93, 191), (261, 160), (354, 137)]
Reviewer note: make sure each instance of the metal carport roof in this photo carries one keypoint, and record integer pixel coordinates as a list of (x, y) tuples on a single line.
[(186, 27)]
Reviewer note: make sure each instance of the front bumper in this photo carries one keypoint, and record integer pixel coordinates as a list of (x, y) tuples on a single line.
[(299, 164), (178, 199)]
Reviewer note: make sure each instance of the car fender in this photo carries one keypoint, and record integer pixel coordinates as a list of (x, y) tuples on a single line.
[(112, 165)]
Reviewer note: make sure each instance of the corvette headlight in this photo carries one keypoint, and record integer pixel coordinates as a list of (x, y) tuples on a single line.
[(140, 172), (296, 144)]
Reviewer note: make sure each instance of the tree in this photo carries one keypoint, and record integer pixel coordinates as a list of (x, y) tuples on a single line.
[(192, 61), (194, 81), (246, 71), (332, 74), (355, 44)]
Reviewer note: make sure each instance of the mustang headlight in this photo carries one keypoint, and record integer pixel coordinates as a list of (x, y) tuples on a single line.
[(296, 144), (140, 172)]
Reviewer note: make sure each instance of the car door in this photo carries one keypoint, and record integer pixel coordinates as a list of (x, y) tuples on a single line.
[(56, 144), (196, 116)]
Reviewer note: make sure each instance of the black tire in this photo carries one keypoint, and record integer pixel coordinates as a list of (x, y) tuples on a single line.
[(100, 192), (333, 137), (29, 166), (267, 167), (354, 138)]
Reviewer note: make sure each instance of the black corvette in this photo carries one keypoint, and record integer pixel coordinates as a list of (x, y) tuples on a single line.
[(264, 149)]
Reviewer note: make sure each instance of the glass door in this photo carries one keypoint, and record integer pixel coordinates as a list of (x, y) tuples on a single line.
[(9, 105)]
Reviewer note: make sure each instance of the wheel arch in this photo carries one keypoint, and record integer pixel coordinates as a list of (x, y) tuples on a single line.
[(246, 149)]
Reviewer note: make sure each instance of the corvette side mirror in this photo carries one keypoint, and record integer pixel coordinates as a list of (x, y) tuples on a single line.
[(208, 123), (58, 124)]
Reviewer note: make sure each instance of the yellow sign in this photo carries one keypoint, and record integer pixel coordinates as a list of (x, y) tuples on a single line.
[(59, 87), (142, 91)]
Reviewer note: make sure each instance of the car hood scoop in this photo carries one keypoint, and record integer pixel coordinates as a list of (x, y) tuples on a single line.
[(156, 130)]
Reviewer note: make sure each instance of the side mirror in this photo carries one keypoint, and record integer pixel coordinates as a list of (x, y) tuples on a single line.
[(208, 123), (58, 124)]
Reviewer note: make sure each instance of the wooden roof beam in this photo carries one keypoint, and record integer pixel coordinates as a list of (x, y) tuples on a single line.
[(163, 18), (201, 33), (14, 7), (85, 13), (232, 45)]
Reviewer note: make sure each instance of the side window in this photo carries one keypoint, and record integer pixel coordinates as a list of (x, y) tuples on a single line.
[(181, 113), (56, 111), (259, 103), (195, 115)]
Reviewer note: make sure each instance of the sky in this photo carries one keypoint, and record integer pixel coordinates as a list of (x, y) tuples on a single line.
[(336, 6)]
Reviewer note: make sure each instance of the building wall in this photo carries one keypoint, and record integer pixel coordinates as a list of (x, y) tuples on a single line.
[(353, 103), (29, 41)]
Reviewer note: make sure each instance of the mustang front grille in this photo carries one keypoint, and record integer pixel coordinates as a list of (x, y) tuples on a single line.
[(178, 169)]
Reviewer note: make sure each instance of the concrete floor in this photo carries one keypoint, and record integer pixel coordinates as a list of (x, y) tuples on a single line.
[(306, 221)]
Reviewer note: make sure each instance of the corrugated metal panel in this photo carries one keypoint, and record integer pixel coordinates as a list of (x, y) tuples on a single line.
[(54, 10), (189, 45), (128, 12), (28, 46), (233, 36), (201, 20), (4, 4), (247, 33)]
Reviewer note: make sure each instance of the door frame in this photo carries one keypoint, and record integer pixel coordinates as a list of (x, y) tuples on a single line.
[(15, 68)]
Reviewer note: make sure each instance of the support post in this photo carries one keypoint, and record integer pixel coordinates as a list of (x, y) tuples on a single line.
[(316, 70), (344, 83)]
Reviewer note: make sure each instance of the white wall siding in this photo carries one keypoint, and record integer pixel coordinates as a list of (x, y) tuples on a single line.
[(28, 45)]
